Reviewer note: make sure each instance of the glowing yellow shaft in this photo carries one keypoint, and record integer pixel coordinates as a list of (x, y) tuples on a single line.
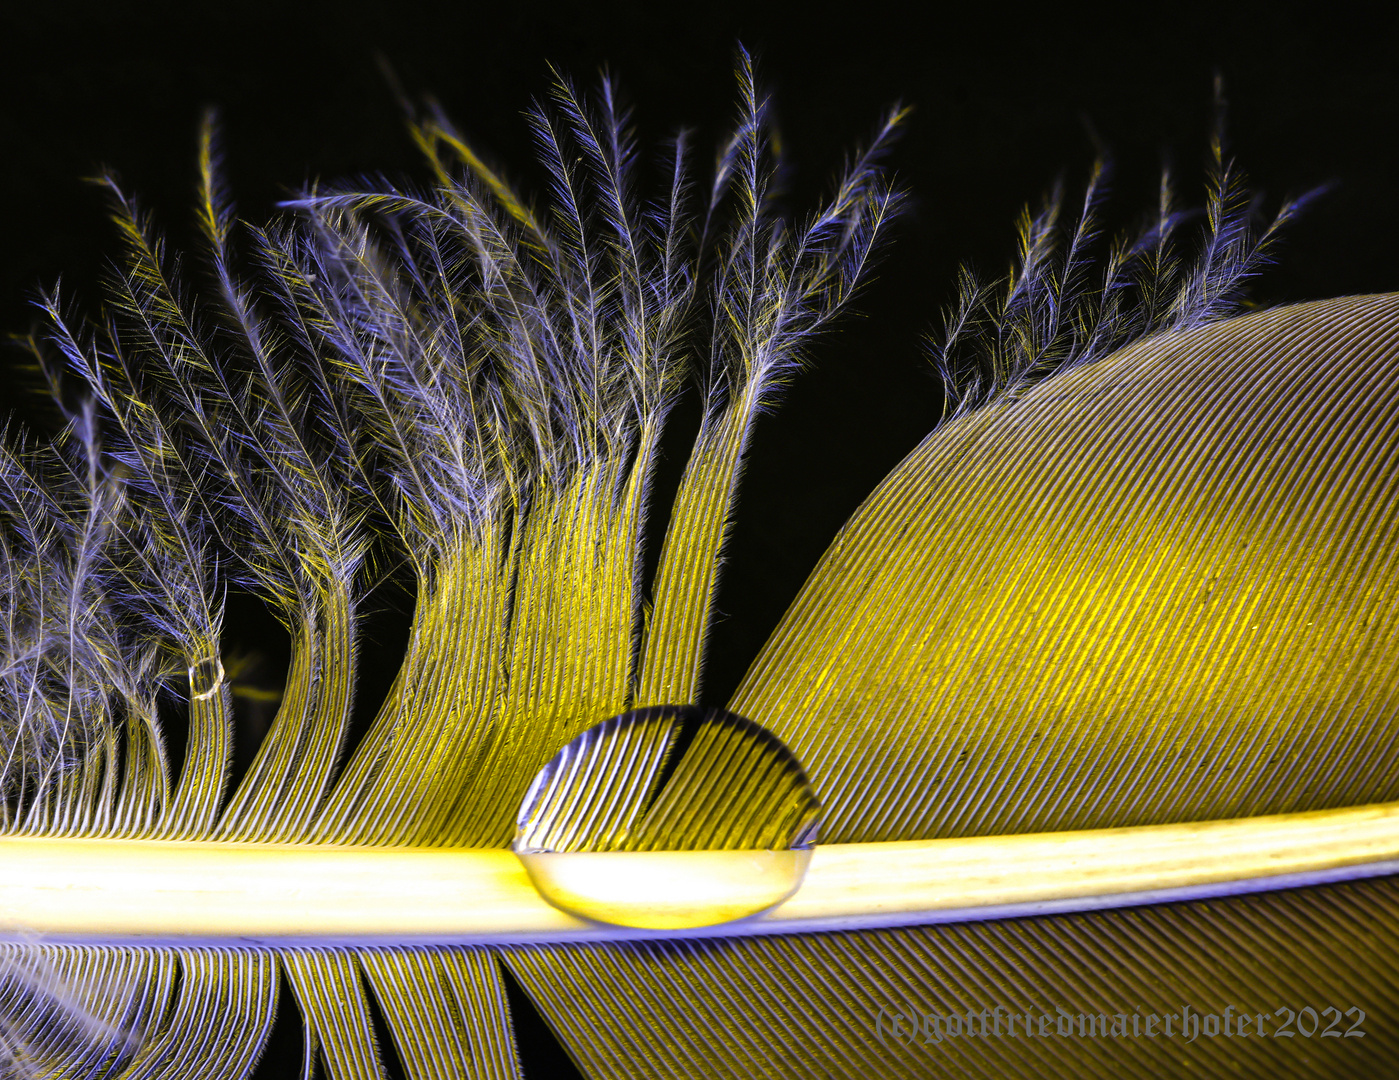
[(136, 892)]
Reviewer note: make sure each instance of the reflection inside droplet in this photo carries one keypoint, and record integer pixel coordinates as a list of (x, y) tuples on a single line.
[(669, 817)]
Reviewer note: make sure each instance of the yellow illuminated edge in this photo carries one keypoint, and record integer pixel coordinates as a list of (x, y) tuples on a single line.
[(152, 892)]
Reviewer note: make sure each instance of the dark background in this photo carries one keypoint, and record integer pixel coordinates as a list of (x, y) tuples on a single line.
[(1004, 102)]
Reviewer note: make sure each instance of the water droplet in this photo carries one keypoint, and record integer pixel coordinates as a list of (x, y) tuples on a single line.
[(667, 818), (205, 678)]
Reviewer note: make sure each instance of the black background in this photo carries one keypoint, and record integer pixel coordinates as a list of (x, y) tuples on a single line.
[(1005, 99)]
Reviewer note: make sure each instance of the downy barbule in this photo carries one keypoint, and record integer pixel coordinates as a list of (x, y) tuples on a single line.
[(1096, 689)]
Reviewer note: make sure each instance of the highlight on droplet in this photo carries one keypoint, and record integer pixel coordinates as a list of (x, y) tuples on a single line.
[(668, 818)]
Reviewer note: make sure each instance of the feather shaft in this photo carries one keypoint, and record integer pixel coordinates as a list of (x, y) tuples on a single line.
[(143, 892)]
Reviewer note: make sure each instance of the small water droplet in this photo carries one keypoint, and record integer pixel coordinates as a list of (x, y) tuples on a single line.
[(669, 817), (205, 678)]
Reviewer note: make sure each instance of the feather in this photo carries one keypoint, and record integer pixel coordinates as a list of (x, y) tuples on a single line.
[(1140, 575)]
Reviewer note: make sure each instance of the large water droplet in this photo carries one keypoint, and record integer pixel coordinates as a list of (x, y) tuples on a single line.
[(667, 818)]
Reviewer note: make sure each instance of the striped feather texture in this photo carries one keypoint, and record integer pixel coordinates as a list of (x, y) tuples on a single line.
[(1153, 589), (881, 1002)]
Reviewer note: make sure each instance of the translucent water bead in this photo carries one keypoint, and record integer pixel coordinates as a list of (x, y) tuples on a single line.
[(669, 817), (205, 677)]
